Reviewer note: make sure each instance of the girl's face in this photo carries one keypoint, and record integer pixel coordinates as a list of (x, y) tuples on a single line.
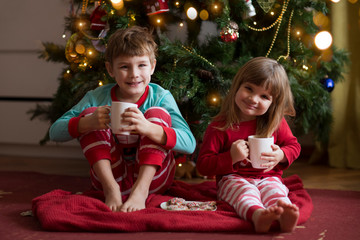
[(252, 100), (132, 74)]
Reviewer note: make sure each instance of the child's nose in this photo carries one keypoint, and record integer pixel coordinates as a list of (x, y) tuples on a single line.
[(253, 98), (134, 72)]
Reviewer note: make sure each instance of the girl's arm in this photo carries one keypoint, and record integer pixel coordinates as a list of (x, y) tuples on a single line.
[(288, 143), (212, 159)]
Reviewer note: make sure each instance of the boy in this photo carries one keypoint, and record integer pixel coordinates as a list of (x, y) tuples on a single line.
[(136, 165)]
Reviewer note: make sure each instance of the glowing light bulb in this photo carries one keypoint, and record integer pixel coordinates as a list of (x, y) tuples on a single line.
[(181, 24), (64, 35), (101, 83), (158, 20), (116, 1), (204, 15), (191, 13), (335, 1), (323, 40)]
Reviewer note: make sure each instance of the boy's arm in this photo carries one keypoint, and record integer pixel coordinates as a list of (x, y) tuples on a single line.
[(179, 133), (66, 127)]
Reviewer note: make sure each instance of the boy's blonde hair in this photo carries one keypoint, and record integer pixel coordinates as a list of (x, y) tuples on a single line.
[(132, 41), (270, 74)]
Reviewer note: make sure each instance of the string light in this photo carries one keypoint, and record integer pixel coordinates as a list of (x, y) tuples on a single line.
[(117, 4), (323, 40), (204, 15), (191, 13)]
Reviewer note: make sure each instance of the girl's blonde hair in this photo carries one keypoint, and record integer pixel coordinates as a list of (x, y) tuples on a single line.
[(270, 74)]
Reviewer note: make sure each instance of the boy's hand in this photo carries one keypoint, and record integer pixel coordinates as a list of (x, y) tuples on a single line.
[(98, 120), (274, 157), (239, 151), (138, 122), (142, 126)]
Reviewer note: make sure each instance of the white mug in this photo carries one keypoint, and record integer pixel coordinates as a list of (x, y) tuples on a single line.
[(258, 145), (117, 109)]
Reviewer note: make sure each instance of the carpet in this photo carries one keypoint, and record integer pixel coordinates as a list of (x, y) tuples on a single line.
[(335, 214)]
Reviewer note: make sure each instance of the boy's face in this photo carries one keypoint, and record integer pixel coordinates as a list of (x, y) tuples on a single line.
[(132, 74)]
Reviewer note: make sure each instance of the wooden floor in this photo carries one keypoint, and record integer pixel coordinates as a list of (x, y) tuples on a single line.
[(313, 176)]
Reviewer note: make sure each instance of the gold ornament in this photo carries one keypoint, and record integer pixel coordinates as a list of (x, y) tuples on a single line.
[(70, 53), (266, 5)]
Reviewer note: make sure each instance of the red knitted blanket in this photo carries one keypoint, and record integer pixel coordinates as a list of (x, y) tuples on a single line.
[(60, 210)]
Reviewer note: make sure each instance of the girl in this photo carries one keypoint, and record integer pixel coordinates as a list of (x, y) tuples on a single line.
[(257, 102)]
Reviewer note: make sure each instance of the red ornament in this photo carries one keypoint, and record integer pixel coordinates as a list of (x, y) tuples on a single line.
[(230, 33), (95, 19), (156, 6)]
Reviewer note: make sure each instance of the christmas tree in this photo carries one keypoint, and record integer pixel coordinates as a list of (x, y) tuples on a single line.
[(198, 69)]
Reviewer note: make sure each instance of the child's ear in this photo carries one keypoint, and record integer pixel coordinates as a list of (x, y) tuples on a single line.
[(153, 66), (109, 69)]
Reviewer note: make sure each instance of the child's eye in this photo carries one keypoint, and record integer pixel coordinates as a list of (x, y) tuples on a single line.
[(142, 65), (265, 97), (123, 67), (248, 88)]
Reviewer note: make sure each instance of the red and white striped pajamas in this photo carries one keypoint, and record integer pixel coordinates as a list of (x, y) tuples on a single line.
[(247, 195), (128, 152)]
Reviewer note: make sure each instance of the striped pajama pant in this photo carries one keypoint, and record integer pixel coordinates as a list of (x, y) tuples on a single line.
[(247, 195), (125, 151)]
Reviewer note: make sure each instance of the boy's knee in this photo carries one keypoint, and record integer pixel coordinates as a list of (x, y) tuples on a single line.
[(87, 111), (158, 115)]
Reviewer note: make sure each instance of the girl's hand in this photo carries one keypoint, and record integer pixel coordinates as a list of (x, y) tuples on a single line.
[(239, 151), (274, 157), (98, 120)]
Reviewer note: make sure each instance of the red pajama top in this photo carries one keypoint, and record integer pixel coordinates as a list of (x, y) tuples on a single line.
[(215, 158)]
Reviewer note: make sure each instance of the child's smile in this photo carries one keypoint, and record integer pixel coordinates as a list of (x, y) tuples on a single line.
[(132, 74), (252, 101)]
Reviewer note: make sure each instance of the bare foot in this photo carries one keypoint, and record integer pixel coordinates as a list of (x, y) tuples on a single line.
[(113, 198), (263, 218), (289, 217), (135, 202)]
